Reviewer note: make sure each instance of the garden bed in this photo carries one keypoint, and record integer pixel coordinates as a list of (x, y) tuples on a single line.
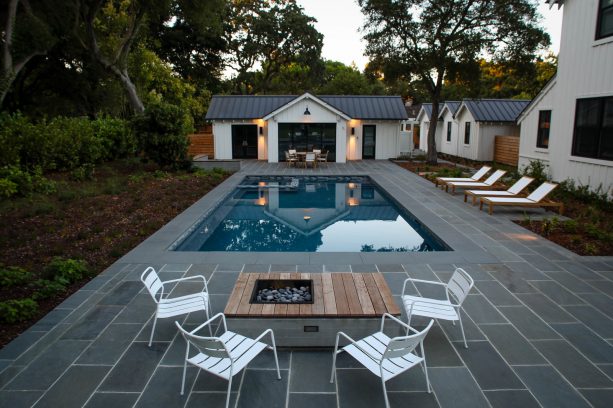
[(96, 221), (588, 232)]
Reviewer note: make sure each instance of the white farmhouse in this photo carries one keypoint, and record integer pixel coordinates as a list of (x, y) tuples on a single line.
[(569, 125), (479, 121), (423, 117), (449, 130), (264, 127)]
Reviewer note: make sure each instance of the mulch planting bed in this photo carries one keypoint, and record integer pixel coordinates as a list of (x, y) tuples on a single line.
[(97, 221)]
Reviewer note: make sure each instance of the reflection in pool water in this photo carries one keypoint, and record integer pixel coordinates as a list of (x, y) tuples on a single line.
[(312, 214)]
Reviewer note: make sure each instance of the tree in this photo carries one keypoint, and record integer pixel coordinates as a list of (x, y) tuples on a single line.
[(30, 28), (340, 79), (424, 38), (270, 34)]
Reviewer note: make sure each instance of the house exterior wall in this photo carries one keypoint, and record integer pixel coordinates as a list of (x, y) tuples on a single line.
[(471, 150), (584, 71), (450, 147), (424, 127), (486, 138), (529, 128)]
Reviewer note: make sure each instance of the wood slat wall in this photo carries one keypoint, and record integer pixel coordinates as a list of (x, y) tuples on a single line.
[(202, 142), (506, 150)]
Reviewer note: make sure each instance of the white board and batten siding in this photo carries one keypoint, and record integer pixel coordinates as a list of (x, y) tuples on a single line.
[(448, 147), (222, 135), (295, 114), (585, 70), (487, 137)]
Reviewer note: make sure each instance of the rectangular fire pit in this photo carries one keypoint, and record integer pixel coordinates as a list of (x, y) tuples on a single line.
[(282, 291), (350, 302)]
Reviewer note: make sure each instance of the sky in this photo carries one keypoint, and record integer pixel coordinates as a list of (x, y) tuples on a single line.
[(340, 20)]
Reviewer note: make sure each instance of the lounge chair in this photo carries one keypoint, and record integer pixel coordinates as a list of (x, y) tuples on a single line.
[(387, 357), (489, 182), (513, 191), (475, 177), (536, 199)]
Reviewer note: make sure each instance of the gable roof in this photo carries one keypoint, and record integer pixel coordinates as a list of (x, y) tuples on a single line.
[(426, 109), (227, 107), (412, 110), (537, 99), (494, 110), (451, 106), (308, 97)]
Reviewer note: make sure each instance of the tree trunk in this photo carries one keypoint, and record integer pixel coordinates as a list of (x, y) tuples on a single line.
[(130, 89), (431, 158)]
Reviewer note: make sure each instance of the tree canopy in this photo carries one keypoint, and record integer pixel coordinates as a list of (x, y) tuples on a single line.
[(425, 39)]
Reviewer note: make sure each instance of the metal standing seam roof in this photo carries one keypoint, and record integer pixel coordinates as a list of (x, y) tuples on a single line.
[(427, 107), (495, 110), (257, 106), (452, 105)]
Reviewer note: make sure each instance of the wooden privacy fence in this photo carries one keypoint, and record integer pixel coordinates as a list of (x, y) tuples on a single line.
[(506, 150), (202, 143)]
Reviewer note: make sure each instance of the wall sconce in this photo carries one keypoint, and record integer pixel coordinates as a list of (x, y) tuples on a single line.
[(307, 111), (261, 130), (352, 130)]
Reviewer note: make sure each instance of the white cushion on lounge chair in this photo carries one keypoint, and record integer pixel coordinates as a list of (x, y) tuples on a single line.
[(510, 200), (490, 181), (512, 191)]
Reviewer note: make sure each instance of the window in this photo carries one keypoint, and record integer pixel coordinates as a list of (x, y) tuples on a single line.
[(593, 135), (467, 133), (604, 25), (449, 131), (542, 136)]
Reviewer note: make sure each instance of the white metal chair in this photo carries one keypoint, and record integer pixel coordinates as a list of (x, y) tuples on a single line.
[(456, 290), (171, 307), (226, 355), (387, 357)]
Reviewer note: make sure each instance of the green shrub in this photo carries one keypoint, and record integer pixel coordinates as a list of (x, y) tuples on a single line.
[(66, 271), (537, 170), (116, 136), (14, 276), (162, 133), (15, 181), (17, 310), (46, 289), (82, 173), (7, 188)]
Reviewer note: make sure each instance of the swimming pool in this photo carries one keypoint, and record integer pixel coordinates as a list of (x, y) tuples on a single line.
[(309, 214)]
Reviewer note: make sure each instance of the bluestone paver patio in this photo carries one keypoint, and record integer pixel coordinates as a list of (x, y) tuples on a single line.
[(538, 321)]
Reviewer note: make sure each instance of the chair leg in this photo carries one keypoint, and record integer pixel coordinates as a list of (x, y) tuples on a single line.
[(155, 320), (229, 392), (387, 403), (462, 328), (183, 381), (274, 350), (425, 366), (206, 311), (334, 360)]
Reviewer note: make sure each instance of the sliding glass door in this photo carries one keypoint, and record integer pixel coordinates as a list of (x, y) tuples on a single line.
[(305, 137)]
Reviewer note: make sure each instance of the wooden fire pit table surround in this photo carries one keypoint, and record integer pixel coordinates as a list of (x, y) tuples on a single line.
[(351, 302)]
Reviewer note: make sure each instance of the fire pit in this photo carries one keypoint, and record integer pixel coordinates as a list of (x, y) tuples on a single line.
[(282, 291)]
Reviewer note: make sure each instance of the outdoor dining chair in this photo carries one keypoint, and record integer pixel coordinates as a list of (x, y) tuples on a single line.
[(171, 307), (387, 357), (309, 158), (456, 290), (226, 355), (290, 159), (323, 158)]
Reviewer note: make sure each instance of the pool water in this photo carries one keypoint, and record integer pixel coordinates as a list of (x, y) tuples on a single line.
[(309, 214)]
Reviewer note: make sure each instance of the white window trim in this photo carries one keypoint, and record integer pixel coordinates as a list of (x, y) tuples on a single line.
[(599, 162)]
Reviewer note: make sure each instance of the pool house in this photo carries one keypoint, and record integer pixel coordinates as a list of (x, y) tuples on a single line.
[(348, 127)]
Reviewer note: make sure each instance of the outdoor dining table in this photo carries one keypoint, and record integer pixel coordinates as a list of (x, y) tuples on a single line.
[(302, 157)]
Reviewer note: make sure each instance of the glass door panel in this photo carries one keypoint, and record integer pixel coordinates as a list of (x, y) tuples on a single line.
[(369, 140)]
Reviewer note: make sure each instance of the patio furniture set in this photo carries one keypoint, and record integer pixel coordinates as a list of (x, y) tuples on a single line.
[(293, 157), (224, 354), (493, 193)]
